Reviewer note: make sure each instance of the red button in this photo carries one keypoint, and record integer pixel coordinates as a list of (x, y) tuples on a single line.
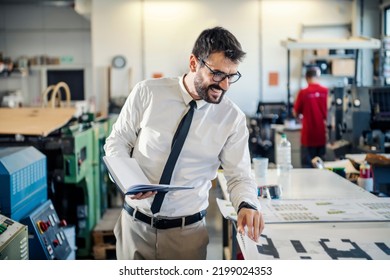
[(56, 243), (63, 223)]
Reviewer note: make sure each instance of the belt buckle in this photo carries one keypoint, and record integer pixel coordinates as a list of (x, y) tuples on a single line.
[(159, 223)]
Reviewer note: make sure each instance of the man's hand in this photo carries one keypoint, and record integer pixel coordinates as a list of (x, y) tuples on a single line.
[(253, 220), (143, 195)]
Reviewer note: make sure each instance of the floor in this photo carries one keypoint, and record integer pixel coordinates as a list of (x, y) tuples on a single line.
[(214, 225)]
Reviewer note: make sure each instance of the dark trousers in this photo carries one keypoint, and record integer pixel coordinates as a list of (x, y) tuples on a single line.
[(308, 153)]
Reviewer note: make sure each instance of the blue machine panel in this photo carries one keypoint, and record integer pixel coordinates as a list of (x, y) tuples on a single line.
[(47, 238), (23, 181)]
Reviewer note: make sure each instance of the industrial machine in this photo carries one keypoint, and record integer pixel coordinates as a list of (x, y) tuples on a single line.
[(115, 198), (74, 193), (76, 179), (380, 108), (100, 131), (360, 117), (335, 113), (47, 238), (23, 184), (13, 240), (24, 198), (379, 137), (261, 135), (355, 114), (69, 184)]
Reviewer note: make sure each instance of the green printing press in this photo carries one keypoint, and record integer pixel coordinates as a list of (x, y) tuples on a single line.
[(77, 178)]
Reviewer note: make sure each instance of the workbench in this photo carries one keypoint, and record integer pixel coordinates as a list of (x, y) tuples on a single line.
[(320, 215)]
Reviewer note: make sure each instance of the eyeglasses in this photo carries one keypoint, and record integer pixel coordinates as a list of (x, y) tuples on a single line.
[(219, 76)]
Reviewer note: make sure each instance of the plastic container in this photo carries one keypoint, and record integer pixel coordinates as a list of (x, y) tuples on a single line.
[(365, 179), (283, 154)]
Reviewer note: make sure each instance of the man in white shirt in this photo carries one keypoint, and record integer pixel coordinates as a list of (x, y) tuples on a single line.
[(217, 137)]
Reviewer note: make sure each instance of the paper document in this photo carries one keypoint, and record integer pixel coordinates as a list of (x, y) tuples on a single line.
[(316, 210), (299, 242), (130, 179), (227, 209), (325, 210)]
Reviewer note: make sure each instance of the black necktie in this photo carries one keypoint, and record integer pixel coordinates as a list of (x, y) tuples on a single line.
[(177, 144)]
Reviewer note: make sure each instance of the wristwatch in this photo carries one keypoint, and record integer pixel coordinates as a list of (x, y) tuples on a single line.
[(246, 205)]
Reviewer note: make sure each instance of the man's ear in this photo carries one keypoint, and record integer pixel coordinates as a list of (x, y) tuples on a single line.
[(193, 63)]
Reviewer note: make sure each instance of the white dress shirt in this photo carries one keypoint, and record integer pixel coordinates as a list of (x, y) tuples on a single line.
[(218, 136)]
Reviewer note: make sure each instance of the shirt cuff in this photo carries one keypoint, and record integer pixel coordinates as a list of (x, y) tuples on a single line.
[(246, 205)]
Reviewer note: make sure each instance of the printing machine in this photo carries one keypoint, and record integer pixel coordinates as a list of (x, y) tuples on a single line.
[(360, 116), (24, 201), (350, 109), (74, 191), (380, 116), (74, 173), (261, 135), (101, 129), (13, 240), (23, 184)]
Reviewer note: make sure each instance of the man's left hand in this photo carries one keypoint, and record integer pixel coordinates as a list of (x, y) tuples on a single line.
[(253, 220)]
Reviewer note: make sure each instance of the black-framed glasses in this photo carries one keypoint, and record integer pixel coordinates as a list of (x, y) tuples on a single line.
[(219, 76)]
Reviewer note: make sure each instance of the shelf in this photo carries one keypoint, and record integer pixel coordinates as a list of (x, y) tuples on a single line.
[(355, 43), (329, 57), (330, 76), (329, 43), (14, 75), (56, 67)]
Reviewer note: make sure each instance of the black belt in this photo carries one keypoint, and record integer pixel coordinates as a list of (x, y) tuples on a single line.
[(160, 223)]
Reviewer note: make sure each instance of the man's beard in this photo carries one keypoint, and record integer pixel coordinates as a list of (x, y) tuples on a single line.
[(203, 90)]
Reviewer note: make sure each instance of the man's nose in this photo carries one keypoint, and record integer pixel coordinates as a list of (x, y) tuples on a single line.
[(224, 84)]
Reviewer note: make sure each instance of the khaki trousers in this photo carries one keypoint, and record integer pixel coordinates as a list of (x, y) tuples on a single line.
[(136, 240)]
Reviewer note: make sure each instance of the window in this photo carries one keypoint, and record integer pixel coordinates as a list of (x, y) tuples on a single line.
[(387, 21)]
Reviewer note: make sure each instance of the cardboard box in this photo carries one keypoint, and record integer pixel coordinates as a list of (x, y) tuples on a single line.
[(321, 52), (308, 53), (343, 67)]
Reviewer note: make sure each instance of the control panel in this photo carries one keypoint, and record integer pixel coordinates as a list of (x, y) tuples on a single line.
[(13, 240), (47, 239)]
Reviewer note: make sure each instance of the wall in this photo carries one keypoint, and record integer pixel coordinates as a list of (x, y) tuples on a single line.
[(157, 36), (38, 30), (284, 19), (116, 30), (368, 23)]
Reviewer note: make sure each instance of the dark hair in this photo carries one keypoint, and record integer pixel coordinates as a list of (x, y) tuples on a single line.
[(312, 72), (218, 39)]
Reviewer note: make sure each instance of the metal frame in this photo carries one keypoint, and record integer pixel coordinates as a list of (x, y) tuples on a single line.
[(355, 43)]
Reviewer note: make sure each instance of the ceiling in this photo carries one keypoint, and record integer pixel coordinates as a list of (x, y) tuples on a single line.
[(39, 2)]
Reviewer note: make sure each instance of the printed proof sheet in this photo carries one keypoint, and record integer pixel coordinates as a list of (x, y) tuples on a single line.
[(291, 243)]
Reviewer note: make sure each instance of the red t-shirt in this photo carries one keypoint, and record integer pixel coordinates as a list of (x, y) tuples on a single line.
[(311, 102)]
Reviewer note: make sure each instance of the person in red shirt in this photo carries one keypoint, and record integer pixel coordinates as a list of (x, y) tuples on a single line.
[(311, 106)]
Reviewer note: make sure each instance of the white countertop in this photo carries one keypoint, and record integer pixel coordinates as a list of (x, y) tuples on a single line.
[(308, 183), (343, 240)]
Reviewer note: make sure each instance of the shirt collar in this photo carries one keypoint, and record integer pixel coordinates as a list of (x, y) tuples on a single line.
[(187, 97)]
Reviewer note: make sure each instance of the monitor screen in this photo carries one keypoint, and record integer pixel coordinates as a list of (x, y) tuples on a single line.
[(73, 78)]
